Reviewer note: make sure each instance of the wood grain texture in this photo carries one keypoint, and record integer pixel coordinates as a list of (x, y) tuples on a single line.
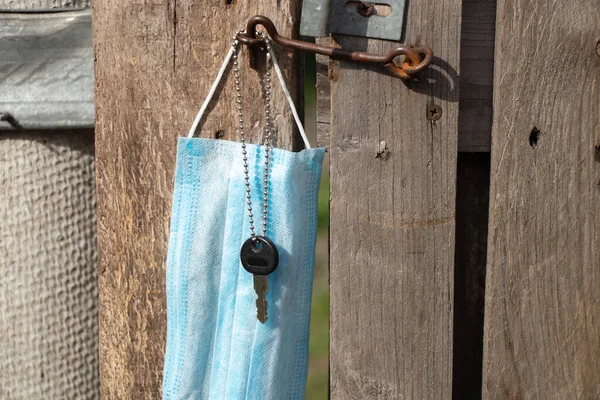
[(323, 114), (393, 182), (155, 61), (476, 79), (476, 75), (542, 325)]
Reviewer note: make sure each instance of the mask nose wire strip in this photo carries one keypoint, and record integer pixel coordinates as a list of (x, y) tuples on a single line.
[(286, 92)]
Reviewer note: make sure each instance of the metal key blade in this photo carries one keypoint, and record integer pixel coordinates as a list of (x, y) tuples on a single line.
[(261, 286)]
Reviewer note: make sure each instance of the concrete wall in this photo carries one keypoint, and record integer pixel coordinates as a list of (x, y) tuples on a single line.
[(48, 278)]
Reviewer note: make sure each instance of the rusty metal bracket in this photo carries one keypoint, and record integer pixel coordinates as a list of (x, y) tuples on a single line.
[(416, 59)]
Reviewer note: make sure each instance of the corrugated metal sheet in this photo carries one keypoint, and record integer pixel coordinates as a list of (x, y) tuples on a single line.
[(47, 70), (43, 4)]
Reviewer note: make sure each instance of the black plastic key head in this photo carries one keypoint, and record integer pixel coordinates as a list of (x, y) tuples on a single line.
[(259, 256)]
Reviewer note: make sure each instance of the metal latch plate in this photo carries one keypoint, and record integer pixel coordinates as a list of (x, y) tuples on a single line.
[(322, 17)]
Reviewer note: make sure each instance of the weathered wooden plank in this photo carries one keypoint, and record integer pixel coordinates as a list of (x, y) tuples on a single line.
[(476, 75), (542, 331), (323, 97), (155, 63), (393, 180), (476, 78)]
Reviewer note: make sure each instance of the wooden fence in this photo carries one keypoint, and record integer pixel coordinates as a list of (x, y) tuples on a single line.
[(491, 210)]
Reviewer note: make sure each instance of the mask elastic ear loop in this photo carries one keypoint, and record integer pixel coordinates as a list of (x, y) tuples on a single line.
[(289, 98), (286, 92), (211, 93)]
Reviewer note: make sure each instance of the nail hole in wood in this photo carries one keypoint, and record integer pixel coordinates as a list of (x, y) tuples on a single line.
[(534, 137), (597, 153), (383, 153), (229, 2), (219, 134)]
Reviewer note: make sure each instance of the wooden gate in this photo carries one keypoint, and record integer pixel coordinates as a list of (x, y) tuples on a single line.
[(421, 171)]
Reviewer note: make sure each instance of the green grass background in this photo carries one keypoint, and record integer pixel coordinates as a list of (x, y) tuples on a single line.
[(317, 387), (318, 350)]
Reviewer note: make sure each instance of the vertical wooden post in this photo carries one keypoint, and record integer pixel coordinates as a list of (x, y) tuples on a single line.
[(155, 61), (323, 95), (543, 284), (393, 178)]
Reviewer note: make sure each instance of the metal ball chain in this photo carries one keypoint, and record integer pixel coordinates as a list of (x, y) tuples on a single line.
[(269, 130)]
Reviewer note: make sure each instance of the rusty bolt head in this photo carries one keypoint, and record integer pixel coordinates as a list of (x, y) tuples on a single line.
[(434, 112), (365, 8)]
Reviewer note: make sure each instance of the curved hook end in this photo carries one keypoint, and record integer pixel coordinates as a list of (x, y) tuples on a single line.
[(417, 60)]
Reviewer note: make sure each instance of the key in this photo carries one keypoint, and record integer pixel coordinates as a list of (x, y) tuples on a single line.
[(261, 287), (260, 257)]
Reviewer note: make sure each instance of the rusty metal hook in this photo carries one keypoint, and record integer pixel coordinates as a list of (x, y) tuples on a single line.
[(416, 58)]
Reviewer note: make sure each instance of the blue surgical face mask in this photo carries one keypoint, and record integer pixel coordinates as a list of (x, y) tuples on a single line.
[(216, 347)]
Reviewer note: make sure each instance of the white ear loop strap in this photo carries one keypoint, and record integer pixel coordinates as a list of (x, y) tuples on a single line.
[(286, 92), (211, 92)]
